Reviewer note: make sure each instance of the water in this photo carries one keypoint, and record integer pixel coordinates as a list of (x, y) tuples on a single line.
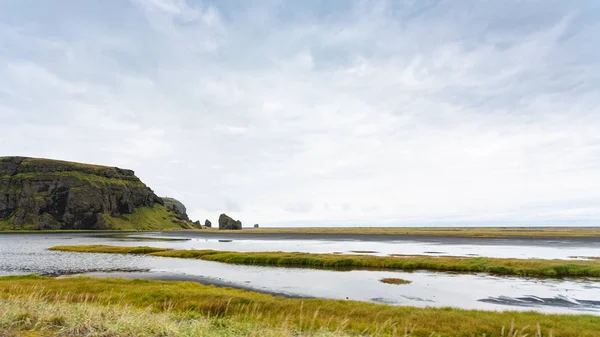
[(522, 248), (26, 254)]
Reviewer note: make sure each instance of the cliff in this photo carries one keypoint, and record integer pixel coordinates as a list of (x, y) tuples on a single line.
[(50, 194), (177, 207)]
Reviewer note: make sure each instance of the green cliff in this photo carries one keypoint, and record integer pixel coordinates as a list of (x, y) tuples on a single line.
[(50, 194)]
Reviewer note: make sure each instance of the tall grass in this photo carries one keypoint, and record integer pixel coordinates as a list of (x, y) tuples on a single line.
[(19, 315), (494, 266), (116, 307)]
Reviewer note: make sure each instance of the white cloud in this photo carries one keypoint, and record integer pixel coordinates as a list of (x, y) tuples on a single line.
[(375, 113)]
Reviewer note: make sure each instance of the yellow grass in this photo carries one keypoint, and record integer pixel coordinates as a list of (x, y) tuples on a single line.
[(159, 308), (393, 280)]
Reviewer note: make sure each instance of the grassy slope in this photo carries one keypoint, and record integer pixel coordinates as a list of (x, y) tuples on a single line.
[(146, 218), (492, 232), (347, 317), (495, 266), (156, 218)]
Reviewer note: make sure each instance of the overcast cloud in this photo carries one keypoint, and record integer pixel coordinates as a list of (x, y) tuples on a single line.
[(318, 112)]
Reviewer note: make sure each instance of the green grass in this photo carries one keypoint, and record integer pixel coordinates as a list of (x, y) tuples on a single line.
[(110, 249), (493, 266), (241, 313), (92, 179), (147, 218), (393, 280), (483, 232)]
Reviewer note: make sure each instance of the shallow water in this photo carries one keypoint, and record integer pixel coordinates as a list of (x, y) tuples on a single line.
[(522, 248), (25, 254)]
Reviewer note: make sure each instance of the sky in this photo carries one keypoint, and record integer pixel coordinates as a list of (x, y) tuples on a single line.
[(318, 113)]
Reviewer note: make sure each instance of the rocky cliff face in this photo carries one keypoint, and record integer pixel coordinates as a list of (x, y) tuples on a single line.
[(50, 194), (226, 222), (177, 207)]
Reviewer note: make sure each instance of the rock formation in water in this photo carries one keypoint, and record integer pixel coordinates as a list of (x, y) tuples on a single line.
[(50, 194), (256, 226), (177, 207), (207, 223), (226, 222)]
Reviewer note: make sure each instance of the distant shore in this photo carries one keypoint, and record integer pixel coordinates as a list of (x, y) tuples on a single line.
[(377, 233)]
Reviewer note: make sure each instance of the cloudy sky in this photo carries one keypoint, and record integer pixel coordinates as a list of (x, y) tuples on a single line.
[(331, 112)]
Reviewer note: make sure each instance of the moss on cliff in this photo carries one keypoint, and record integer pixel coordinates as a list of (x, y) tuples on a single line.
[(90, 179)]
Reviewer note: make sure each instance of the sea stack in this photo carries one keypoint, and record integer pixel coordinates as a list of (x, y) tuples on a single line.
[(226, 222)]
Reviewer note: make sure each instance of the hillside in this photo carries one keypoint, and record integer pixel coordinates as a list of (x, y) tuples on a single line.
[(50, 194)]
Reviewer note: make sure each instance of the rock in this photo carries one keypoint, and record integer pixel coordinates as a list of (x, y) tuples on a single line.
[(256, 226), (177, 207), (50, 194), (197, 224), (207, 223), (226, 222)]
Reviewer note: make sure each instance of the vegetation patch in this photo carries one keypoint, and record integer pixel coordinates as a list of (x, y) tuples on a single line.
[(493, 266), (147, 218), (109, 249), (117, 307), (393, 280)]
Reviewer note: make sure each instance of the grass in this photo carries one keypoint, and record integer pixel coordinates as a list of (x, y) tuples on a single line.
[(490, 232), (393, 280), (118, 307), (493, 266), (110, 249), (92, 179), (147, 218)]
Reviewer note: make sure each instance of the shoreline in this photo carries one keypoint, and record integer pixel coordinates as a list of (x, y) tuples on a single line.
[(438, 238), (367, 233), (179, 277)]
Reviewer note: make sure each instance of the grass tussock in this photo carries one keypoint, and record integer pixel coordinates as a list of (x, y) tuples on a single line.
[(117, 307), (493, 266), (394, 280)]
